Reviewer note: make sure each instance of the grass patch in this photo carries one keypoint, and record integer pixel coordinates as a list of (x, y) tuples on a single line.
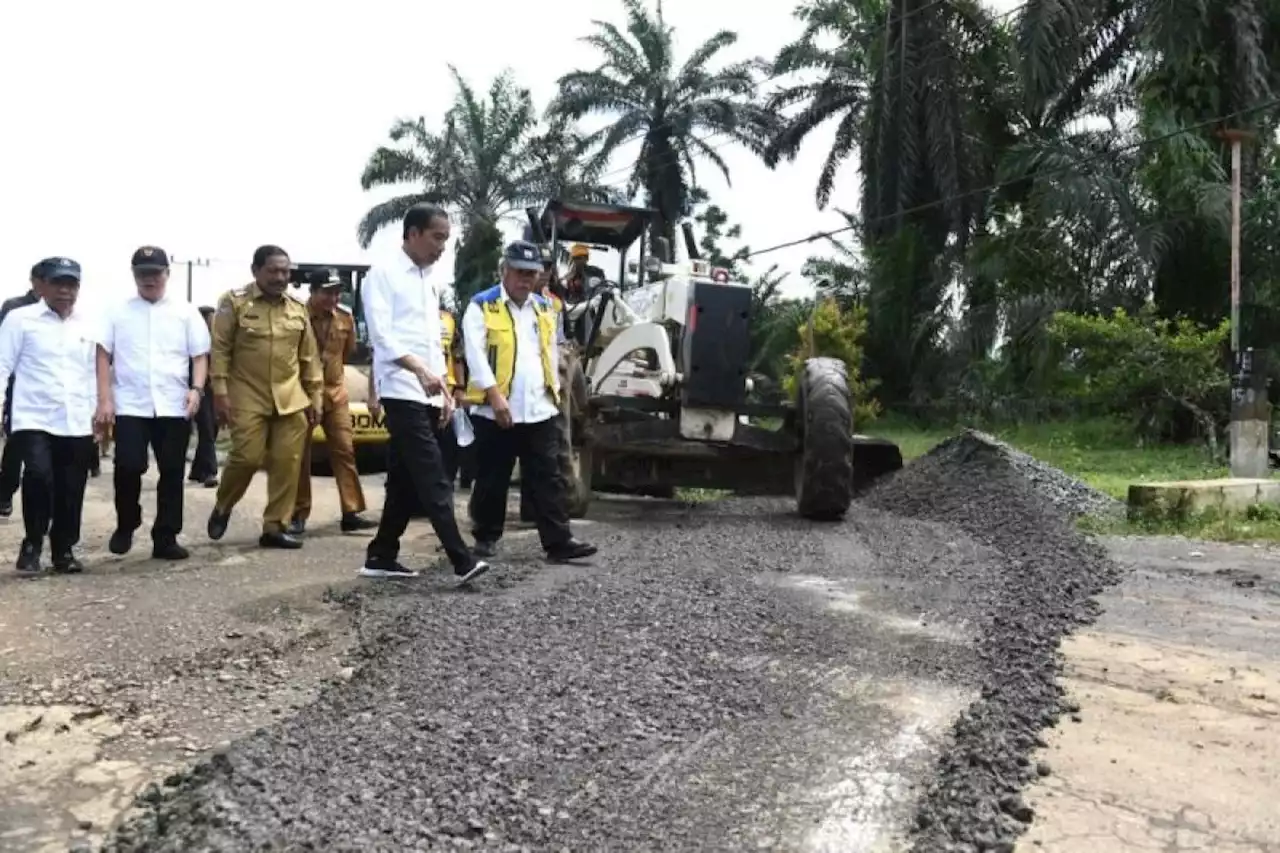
[(700, 496), (1105, 455)]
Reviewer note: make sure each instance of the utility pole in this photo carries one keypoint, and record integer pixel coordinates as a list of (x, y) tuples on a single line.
[(1250, 407), (191, 265)]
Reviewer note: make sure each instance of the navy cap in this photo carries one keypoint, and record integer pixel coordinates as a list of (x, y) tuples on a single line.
[(150, 258), (61, 268), (523, 255)]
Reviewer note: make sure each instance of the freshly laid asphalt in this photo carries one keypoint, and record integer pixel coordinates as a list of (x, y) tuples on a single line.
[(724, 677)]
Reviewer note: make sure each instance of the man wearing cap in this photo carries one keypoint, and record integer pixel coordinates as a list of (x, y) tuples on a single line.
[(11, 460), (48, 348), (268, 386), (153, 356), (580, 271), (335, 333), (402, 309), (510, 337)]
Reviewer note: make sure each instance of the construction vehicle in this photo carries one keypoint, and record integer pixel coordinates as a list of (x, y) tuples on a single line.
[(368, 433), (656, 387)]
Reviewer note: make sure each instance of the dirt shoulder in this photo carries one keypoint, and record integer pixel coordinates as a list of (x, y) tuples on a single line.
[(115, 678), (1177, 743)]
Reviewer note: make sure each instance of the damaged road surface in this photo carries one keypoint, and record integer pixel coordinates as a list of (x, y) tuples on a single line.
[(725, 677)]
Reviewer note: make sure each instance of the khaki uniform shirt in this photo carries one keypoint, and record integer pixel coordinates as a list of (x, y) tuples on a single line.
[(264, 354), (335, 333)]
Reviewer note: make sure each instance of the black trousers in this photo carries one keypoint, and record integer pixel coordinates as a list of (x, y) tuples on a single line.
[(167, 438), (57, 468), (449, 451), (11, 458), (536, 446), (467, 465), (416, 477), (205, 462)]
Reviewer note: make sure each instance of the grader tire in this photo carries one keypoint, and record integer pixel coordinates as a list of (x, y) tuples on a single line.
[(575, 453), (824, 468)]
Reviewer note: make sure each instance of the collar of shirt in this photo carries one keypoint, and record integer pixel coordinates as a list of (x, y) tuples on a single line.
[(48, 309), (410, 265)]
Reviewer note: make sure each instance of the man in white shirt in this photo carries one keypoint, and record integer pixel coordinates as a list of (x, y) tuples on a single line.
[(49, 348), (402, 312), (510, 335), (159, 349)]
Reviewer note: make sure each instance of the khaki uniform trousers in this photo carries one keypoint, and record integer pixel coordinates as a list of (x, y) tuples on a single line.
[(342, 461), (261, 441)]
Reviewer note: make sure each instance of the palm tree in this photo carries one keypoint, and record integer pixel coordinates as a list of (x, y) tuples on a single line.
[(672, 109), (476, 165)]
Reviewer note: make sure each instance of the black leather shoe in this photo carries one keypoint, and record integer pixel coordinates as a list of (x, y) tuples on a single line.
[(279, 539), (169, 551), (211, 482), (6, 508), (484, 548), (353, 522), (28, 559), (217, 526), (121, 541), (67, 564), (297, 527), (571, 550)]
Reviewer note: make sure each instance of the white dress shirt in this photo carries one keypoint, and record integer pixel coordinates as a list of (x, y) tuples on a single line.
[(402, 315), (52, 361), (529, 399), (151, 345)]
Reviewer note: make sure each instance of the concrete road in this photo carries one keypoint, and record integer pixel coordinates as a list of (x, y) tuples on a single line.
[(1176, 745)]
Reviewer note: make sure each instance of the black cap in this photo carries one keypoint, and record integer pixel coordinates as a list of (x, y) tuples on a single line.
[(325, 279), (150, 258), (39, 270), (61, 268), (523, 255)]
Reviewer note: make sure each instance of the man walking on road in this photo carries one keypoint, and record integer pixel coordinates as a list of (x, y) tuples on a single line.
[(49, 349), (335, 333), (267, 386), (10, 460), (153, 357), (402, 310), (204, 464), (510, 338)]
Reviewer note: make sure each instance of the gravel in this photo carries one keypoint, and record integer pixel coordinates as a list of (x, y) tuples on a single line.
[(685, 692), (1049, 484), (1024, 509)]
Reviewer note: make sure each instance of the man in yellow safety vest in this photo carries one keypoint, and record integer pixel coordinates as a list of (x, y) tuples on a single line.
[(510, 340)]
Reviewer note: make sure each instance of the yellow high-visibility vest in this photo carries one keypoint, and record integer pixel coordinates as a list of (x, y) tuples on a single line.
[(500, 342), (448, 332)]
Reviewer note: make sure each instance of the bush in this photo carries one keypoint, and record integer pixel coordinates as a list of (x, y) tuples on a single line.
[(1143, 368), (836, 333)]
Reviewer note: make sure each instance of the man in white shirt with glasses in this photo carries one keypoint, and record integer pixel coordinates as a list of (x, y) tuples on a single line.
[(49, 349)]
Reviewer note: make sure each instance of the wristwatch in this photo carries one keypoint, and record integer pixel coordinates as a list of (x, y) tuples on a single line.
[(199, 391)]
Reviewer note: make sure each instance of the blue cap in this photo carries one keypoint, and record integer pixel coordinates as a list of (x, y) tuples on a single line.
[(61, 268), (523, 255)]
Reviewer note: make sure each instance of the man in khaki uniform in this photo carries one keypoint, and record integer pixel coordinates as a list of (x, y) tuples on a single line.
[(335, 333), (267, 386)]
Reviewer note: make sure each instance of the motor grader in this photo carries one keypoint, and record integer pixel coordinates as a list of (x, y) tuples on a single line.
[(368, 433), (656, 387)]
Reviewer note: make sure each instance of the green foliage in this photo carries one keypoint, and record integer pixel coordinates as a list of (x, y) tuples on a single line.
[(475, 265), (1141, 366), (834, 332)]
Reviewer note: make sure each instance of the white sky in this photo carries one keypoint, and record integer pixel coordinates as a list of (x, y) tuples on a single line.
[(211, 128)]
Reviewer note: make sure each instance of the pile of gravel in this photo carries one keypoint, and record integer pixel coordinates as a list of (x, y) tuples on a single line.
[(1057, 488), (1025, 510)]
